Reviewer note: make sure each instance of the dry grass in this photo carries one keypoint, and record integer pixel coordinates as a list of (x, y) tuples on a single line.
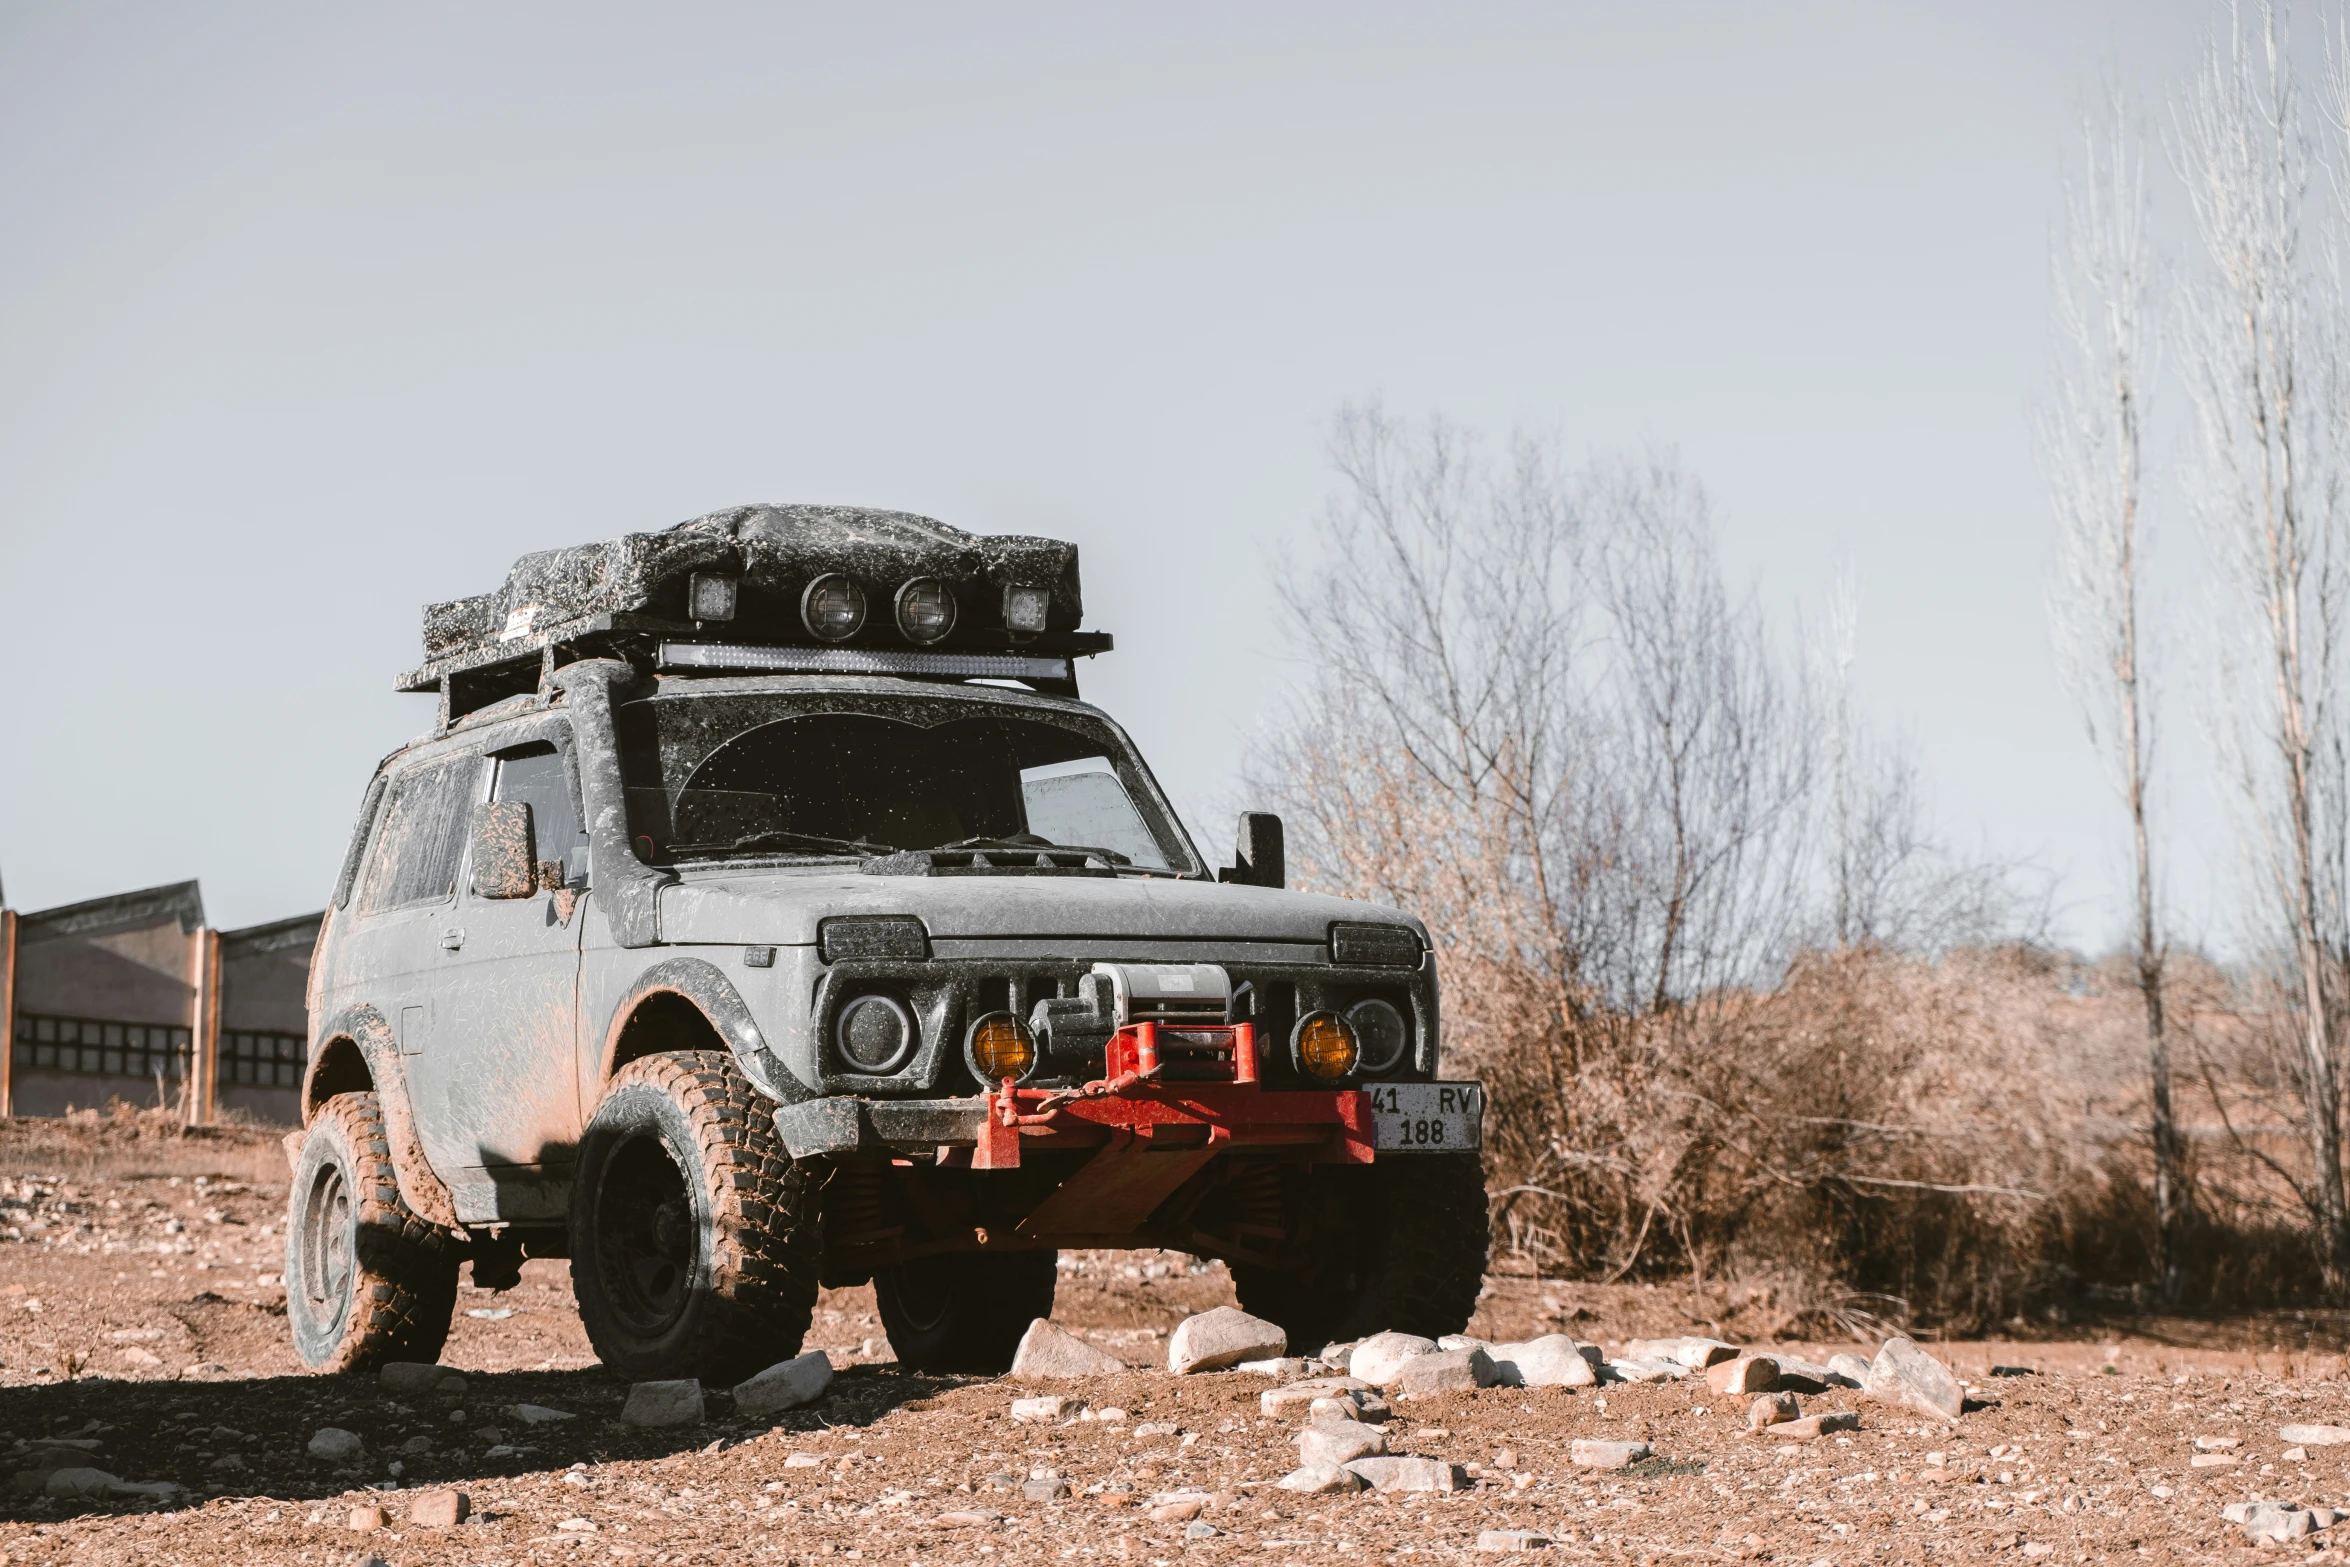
[(1953, 1144), (128, 1142)]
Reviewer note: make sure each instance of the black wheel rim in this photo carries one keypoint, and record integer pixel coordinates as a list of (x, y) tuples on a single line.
[(645, 1236), (326, 1243)]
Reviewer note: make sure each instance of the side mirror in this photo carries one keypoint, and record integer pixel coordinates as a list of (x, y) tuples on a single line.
[(1259, 860), (502, 863)]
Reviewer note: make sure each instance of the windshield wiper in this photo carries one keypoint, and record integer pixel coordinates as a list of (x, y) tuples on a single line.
[(784, 838), (1029, 840)]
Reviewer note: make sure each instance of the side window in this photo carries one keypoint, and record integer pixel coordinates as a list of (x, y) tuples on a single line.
[(538, 776), (422, 837)]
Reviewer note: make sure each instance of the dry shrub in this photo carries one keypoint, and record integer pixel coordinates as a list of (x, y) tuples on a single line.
[(1880, 1139)]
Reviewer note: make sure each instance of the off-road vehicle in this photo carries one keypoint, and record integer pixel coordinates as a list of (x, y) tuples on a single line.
[(764, 910)]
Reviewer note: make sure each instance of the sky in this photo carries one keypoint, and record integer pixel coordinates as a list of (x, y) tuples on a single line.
[(310, 315)]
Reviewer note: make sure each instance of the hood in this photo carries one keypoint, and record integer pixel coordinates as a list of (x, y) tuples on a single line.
[(783, 908)]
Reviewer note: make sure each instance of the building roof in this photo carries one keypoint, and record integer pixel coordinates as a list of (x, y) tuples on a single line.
[(276, 936), (181, 900)]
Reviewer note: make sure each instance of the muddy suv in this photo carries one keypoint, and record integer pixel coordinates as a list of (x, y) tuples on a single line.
[(764, 911)]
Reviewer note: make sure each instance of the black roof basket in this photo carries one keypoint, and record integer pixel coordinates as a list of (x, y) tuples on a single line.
[(1015, 606)]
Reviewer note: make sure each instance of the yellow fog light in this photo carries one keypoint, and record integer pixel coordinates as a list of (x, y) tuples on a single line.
[(1000, 1046), (1325, 1046)]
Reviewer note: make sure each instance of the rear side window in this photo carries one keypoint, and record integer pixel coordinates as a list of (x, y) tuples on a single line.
[(536, 775), (422, 839)]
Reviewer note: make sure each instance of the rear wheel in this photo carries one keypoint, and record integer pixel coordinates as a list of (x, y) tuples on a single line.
[(367, 1281), (694, 1242), (1400, 1244), (964, 1312)]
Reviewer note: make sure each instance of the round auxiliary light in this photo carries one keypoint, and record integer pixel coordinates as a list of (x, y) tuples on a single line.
[(1324, 1046), (926, 609), (1380, 1034), (833, 608), (875, 1033), (999, 1046)]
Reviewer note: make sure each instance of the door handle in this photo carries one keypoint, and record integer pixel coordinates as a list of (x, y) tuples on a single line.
[(452, 939)]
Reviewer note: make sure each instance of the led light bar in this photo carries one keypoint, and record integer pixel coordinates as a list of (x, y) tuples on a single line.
[(858, 661)]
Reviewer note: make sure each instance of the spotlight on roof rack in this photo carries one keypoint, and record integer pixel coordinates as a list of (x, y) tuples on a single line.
[(1025, 608), (926, 610), (833, 608), (709, 596)]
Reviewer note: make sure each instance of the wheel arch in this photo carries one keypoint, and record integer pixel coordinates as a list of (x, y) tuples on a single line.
[(359, 1054), (687, 1004)]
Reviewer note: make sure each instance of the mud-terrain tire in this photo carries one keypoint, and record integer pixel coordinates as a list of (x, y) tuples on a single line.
[(695, 1241), (964, 1312), (1400, 1244), (367, 1281)]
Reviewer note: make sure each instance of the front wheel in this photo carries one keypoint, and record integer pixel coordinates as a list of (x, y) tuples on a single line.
[(367, 1280), (964, 1312), (1399, 1244), (694, 1237)]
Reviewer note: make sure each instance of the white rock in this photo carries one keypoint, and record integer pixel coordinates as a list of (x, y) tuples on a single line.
[(1446, 1371), (1850, 1367), (1223, 1337), (1049, 1351), (1287, 1368), (1641, 1370), (1377, 1359), (1511, 1540), (1553, 1360), (1369, 1408), (2315, 1436), (1904, 1374), (1337, 1443), (409, 1378), (1593, 1453), (80, 1483), (675, 1402), (1406, 1474), (334, 1445), (1290, 1398), (1317, 1481), (537, 1414), (1049, 1406), (785, 1385), (1805, 1370)]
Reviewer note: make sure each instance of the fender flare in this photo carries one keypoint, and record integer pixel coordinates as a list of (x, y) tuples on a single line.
[(420, 1188), (700, 983)]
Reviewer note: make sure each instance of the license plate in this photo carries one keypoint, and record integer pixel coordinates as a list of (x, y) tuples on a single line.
[(1427, 1117)]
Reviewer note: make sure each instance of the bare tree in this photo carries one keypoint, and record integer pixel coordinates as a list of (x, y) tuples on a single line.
[(2092, 449), (2254, 344)]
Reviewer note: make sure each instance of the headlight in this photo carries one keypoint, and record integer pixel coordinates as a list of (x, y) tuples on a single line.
[(1324, 1046), (874, 1033), (1025, 609), (1380, 1033), (926, 609), (999, 1046), (833, 608)]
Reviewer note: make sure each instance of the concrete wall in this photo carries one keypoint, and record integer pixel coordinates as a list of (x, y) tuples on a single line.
[(134, 998), (264, 1020)]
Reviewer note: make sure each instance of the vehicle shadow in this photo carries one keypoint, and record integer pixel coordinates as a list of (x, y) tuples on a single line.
[(250, 1438)]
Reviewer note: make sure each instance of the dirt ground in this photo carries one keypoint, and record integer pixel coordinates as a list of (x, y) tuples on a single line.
[(141, 1316)]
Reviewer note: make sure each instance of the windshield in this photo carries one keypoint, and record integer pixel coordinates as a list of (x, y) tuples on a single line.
[(832, 774)]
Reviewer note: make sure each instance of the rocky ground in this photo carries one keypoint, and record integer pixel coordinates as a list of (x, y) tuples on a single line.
[(142, 1334)]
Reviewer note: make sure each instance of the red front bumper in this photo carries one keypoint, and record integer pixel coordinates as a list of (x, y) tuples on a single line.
[(1150, 1133)]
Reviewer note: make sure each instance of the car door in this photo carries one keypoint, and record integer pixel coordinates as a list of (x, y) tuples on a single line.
[(403, 905), (506, 1115)]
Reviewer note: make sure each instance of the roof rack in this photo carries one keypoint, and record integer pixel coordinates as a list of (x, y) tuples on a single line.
[(770, 589)]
